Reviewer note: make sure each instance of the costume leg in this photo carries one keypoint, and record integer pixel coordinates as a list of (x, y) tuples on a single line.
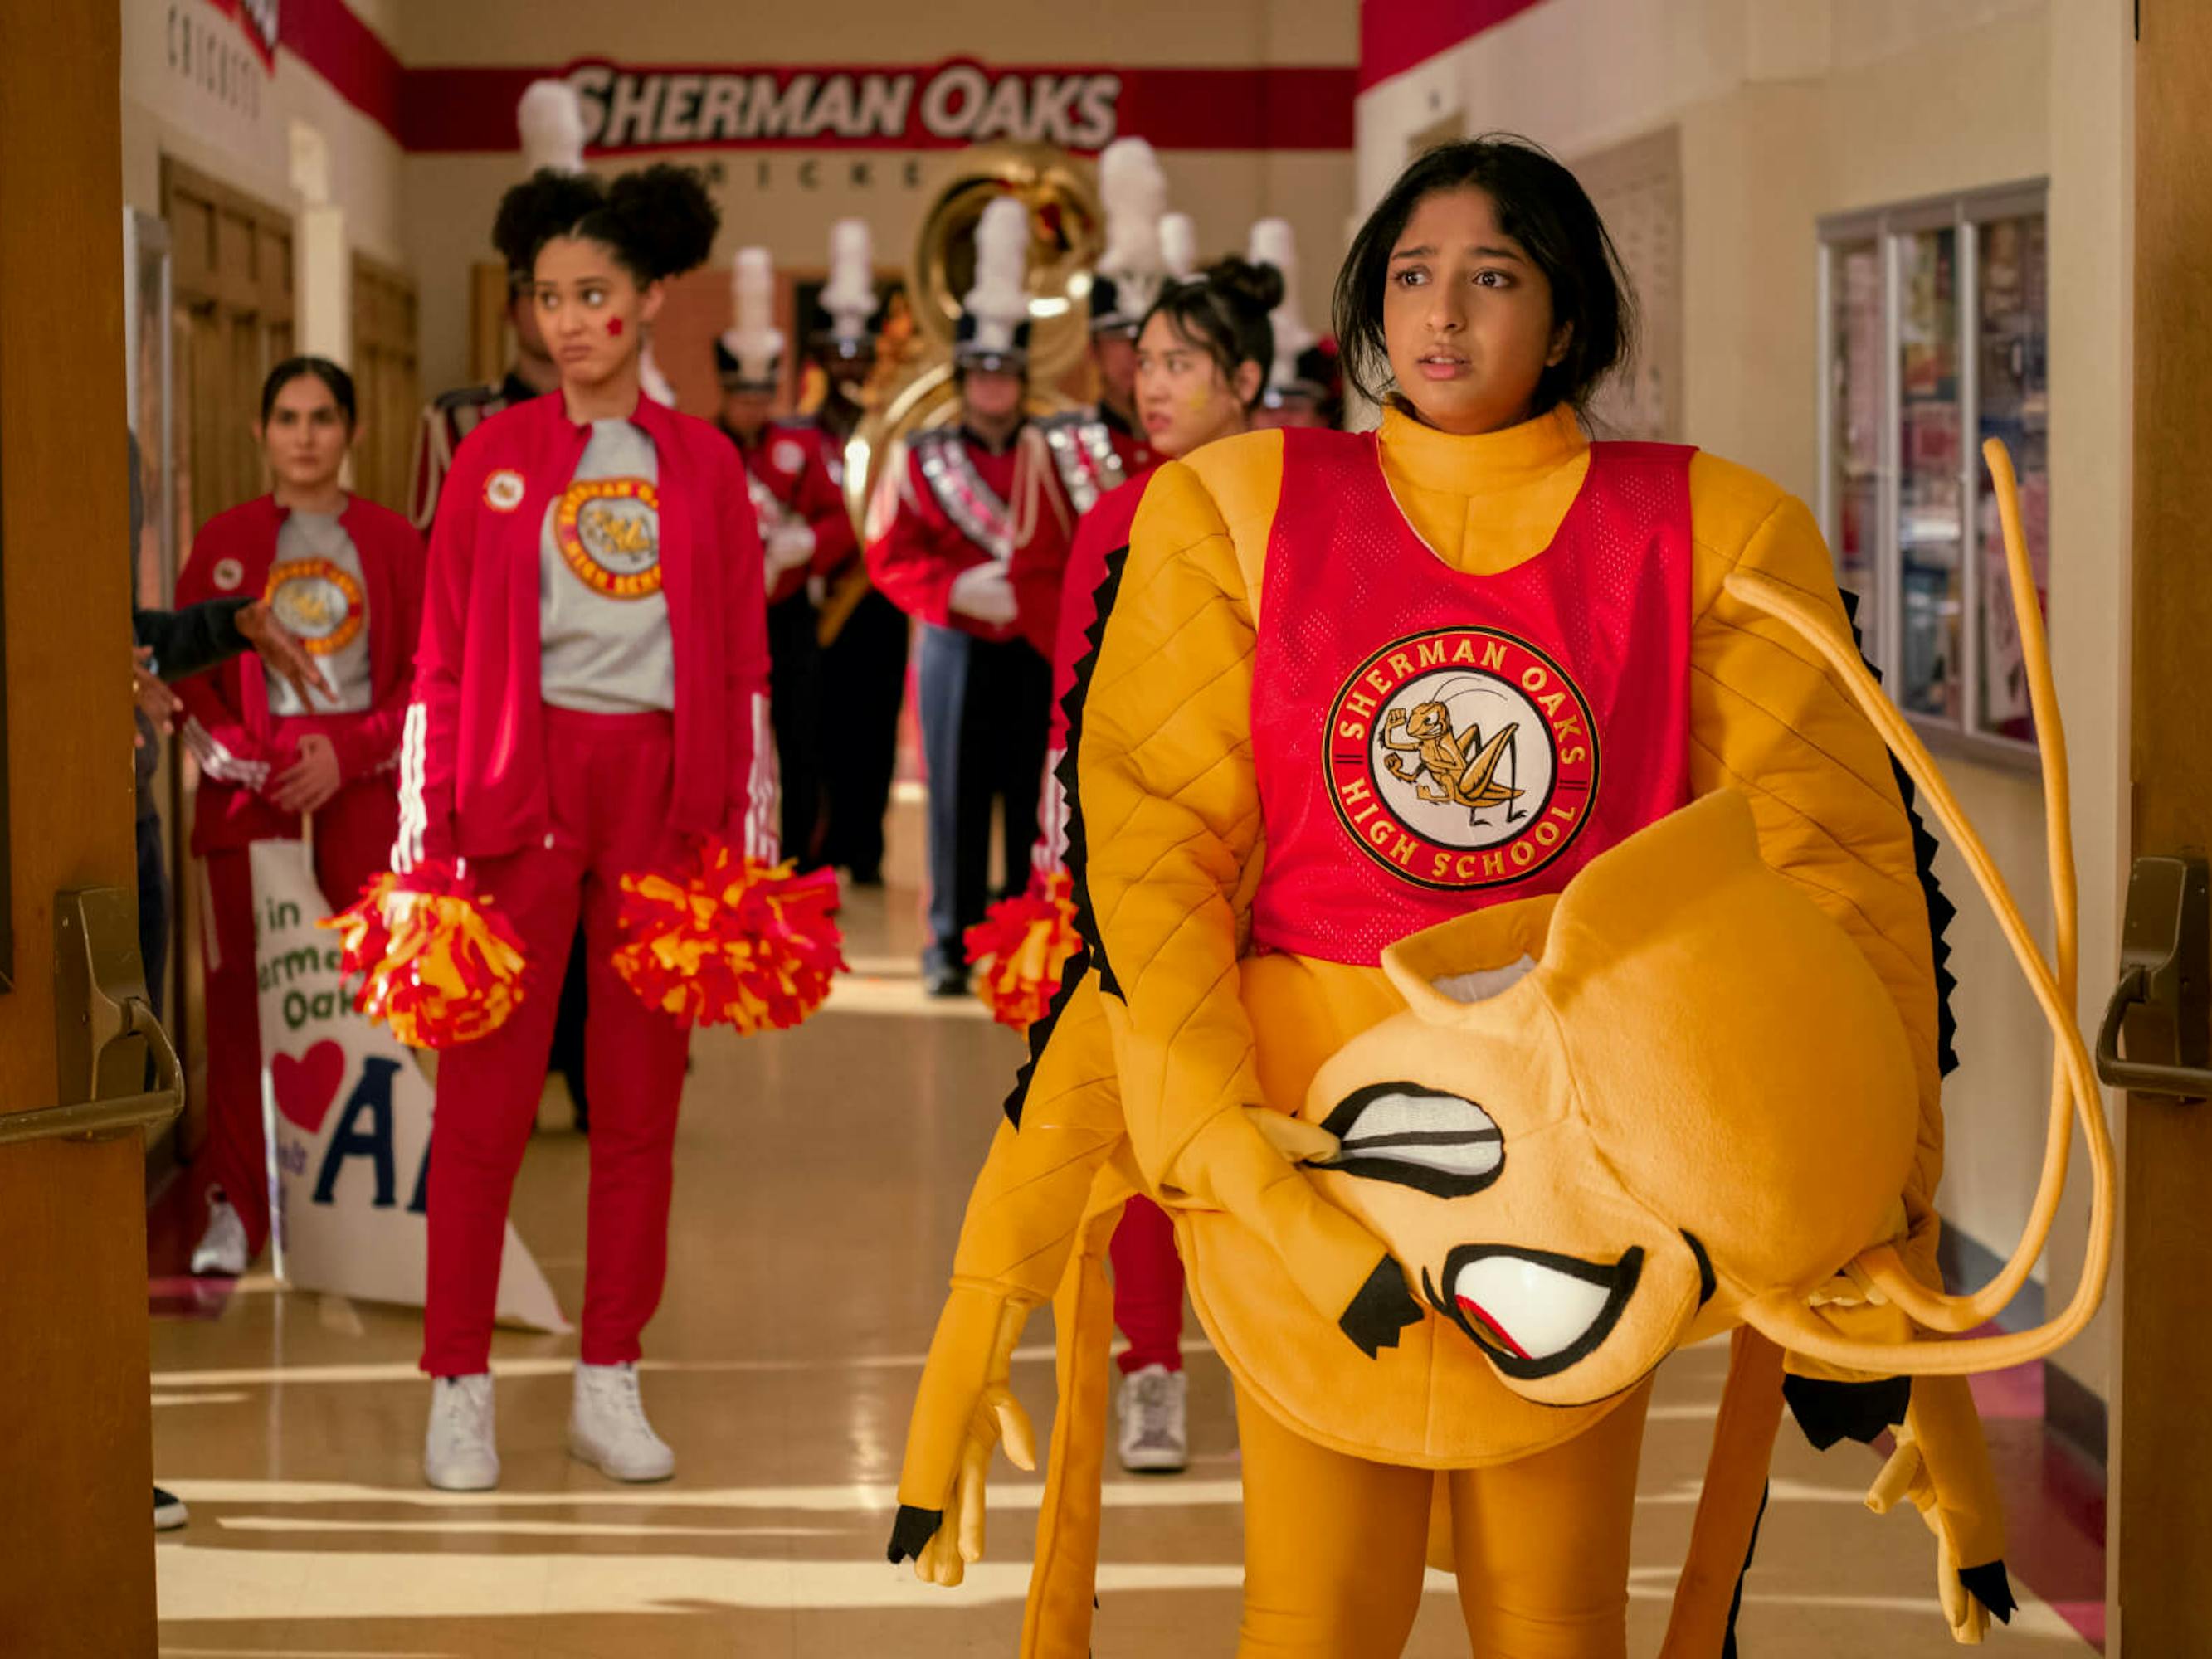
[(795, 713), (487, 1094), (1148, 1287), (1063, 1582), (1541, 1545), (942, 685), (1334, 1547), (1721, 1538), (635, 1053), (236, 1156)]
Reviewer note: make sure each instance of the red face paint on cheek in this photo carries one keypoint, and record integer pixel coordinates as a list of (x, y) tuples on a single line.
[(615, 326)]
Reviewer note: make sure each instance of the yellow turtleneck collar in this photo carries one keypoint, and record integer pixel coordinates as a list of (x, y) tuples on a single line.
[(1486, 504)]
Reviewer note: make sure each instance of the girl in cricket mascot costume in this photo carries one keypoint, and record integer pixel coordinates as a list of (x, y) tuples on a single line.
[(1515, 945)]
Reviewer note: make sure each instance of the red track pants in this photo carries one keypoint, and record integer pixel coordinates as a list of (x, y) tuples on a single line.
[(353, 833), (1147, 1287), (608, 781)]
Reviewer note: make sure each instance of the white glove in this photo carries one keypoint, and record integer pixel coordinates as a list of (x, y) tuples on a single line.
[(789, 546), (983, 591)]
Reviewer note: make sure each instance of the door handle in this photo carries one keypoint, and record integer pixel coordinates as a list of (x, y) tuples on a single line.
[(105, 1031), (2166, 983)]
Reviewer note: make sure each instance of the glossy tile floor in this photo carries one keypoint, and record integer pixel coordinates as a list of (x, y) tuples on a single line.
[(820, 1179)]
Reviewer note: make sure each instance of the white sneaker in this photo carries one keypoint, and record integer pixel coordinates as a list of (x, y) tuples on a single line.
[(1155, 1429), (221, 1249), (169, 1512), (459, 1453), (607, 1427)]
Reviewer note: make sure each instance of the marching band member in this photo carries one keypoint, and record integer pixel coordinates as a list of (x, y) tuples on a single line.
[(1095, 448), (866, 636), (966, 507), (1303, 386), (803, 528), (590, 693), (346, 575)]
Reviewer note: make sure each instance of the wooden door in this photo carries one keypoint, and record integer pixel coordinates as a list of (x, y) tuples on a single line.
[(232, 287), (388, 382), (2163, 1542), (232, 284), (76, 1555)]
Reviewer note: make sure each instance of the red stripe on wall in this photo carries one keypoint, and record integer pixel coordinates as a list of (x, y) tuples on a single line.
[(349, 54), (1287, 108), (1396, 35)]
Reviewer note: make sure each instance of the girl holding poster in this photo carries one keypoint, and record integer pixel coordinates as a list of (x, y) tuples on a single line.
[(346, 575)]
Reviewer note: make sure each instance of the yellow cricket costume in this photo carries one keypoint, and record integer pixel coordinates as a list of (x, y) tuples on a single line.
[(1182, 1050)]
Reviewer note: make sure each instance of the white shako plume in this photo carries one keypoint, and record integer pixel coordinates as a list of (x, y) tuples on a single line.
[(1179, 246), (1274, 243), (850, 297), (1135, 193), (550, 119), (999, 301), (754, 340)]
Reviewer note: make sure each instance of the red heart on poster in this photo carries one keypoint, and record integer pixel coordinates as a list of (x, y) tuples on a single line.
[(307, 1086)]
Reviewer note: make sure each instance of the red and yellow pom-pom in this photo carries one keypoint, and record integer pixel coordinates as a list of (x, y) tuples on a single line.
[(437, 966), (725, 939), (1020, 949)]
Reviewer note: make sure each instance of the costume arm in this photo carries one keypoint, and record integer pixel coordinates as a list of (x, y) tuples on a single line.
[(1767, 719), (904, 561), (1024, 1217), (1171, 812)]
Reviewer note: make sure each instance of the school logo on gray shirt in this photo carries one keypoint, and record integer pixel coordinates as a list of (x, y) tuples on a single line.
[(609, 530), (602, 619), (316, 590)]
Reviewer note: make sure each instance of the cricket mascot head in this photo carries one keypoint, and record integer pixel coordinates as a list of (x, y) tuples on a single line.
[(1674, 1098)]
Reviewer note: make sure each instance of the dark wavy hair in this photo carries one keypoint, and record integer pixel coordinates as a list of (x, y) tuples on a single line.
[(658, 221), (1224, 310), (293, 368), (1541, 205)]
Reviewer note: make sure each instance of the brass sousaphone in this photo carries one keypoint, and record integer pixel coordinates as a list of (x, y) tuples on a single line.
[(1067, 235)]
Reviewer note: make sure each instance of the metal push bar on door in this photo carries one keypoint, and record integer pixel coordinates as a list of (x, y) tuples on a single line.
[(105, 1031)]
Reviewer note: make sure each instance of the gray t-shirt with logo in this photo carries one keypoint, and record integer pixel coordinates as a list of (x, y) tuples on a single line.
[(316, 588), (603, 620)]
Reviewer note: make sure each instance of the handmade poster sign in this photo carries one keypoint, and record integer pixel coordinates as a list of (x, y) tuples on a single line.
[(347, 1112)]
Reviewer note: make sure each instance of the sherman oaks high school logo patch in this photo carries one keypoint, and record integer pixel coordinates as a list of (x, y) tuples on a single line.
[(1461, 757), (609, 530)]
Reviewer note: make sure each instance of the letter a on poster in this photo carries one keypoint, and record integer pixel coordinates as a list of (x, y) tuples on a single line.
[(348, 1116)]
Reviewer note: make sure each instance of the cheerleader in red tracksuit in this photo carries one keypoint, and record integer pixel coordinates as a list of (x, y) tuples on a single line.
[(590, 690), (346, 576), (1202, 352)]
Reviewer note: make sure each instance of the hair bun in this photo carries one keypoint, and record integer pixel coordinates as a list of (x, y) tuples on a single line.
[(538, 209), (665, 217), (1258, 287)]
